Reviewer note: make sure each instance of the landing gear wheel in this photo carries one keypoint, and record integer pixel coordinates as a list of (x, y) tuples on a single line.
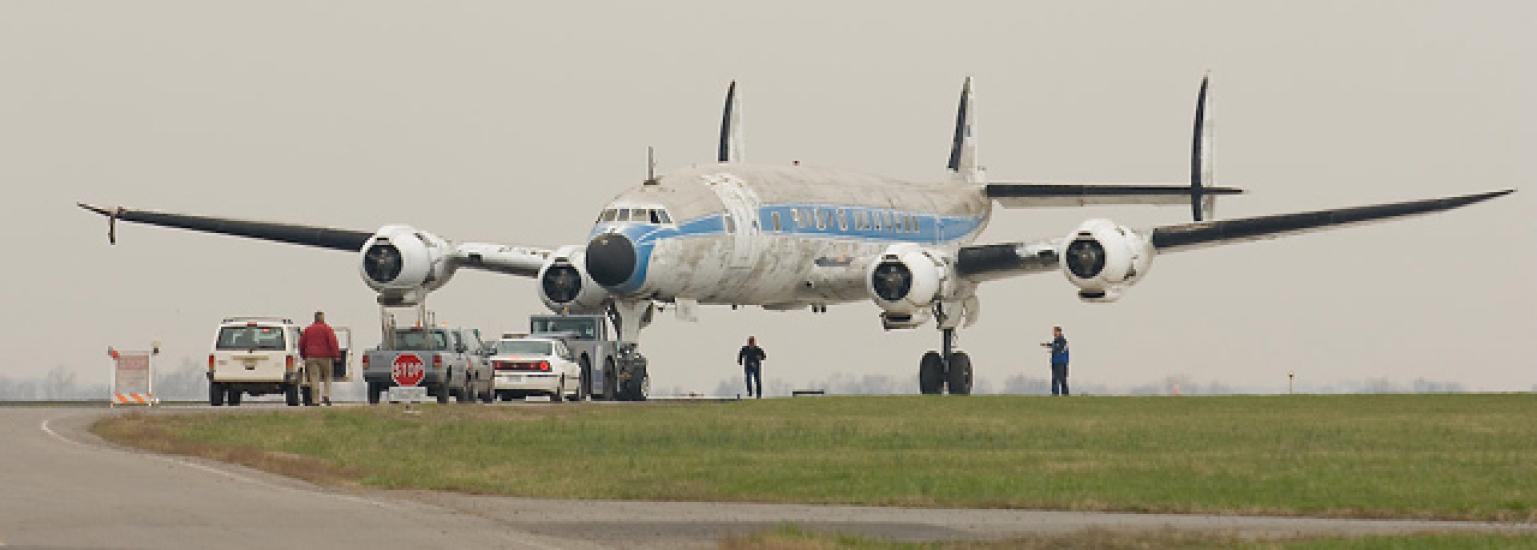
[(931, 374), (374, 389), (215, 394), (560, 390), (291, 395), (233, 398), (959, 377)]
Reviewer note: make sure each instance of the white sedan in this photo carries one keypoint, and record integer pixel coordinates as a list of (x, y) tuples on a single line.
[(536, 366)]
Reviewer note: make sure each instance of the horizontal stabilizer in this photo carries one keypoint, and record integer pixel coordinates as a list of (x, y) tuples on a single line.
[(1035, 195)]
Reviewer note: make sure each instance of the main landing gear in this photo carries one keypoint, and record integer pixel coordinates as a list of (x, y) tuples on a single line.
[(945, 369)]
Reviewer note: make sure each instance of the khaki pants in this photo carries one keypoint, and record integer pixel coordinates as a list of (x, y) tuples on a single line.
[(318, 373)]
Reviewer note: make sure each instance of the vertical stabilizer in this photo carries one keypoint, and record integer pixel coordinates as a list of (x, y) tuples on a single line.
[(1202, 205), (730, 129), (963, 147)]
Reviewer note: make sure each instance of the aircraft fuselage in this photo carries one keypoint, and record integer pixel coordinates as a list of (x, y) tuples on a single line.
[(777, 236)]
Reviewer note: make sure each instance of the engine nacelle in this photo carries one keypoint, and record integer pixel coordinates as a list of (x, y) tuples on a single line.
[(906, 280), (402, 263), (1103, 259), (565, 287)]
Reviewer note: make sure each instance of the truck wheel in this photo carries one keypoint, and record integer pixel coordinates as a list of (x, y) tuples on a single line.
[(959, 377), (215, 394), (291, 394), (560, 390), (931, 374), (374, 389), (488, 396), (233, 397), (610, 380), (308, 396), (463, 395), (442, 395), (584, 387)]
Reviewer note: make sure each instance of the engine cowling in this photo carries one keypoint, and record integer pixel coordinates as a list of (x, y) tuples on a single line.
[(1103, 259), (906, 280), (401, 263), (565, 287)]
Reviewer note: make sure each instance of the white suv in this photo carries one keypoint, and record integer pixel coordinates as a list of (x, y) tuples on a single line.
[(260, 355)]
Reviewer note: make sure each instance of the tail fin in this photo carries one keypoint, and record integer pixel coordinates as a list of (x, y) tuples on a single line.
[(1202, 205), (963, 148), (730, 129)]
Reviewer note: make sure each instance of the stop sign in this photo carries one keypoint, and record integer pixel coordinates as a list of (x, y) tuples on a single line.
[(408, 370)]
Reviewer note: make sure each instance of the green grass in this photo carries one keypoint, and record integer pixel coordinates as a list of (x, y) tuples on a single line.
[(1419, 456), (791, 537)]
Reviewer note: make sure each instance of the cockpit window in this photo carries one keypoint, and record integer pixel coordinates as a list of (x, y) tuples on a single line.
[(609, 215), (656, 216)]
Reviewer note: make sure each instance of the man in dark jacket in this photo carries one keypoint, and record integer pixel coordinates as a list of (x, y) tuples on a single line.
[(751, 359), (1058, 345), (318, 347)]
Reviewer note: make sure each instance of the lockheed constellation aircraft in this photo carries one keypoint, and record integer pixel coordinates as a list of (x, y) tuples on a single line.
[(800, 237)]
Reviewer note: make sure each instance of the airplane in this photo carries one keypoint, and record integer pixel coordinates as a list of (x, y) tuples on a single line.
[(792, 237)]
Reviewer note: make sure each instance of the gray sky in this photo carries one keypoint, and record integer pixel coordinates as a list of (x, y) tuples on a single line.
[(515, 122)]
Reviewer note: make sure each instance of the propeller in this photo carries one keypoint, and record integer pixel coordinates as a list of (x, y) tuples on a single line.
[(562, 283), (382, 262), (1085, 258), (892, 281)]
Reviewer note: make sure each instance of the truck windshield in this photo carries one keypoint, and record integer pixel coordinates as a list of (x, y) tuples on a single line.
[(585, 329), (523, 347), (420, 339), (250, 338)]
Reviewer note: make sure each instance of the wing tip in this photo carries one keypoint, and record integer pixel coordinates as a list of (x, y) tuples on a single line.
[(93, 208)]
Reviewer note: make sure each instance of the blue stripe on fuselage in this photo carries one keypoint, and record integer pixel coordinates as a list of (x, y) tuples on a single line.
[(816, 221)]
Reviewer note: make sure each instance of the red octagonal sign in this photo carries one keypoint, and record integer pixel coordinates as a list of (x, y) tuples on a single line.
[(408, 370)]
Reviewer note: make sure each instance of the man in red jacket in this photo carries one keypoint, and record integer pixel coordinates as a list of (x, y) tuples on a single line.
[(318, 347)]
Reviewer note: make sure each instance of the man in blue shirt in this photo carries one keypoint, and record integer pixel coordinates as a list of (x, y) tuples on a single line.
[(1058, 345), (751, 357)]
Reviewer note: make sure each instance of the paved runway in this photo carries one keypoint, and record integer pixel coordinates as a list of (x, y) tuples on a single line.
[(60, 486)]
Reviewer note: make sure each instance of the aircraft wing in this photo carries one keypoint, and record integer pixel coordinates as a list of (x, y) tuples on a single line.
[(1035, 195), (513, 260), (995, 261)]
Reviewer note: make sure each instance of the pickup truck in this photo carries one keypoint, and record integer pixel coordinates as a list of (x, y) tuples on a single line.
[(449, 362)]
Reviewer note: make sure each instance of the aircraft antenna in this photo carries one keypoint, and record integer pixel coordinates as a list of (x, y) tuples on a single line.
[(650, 166)]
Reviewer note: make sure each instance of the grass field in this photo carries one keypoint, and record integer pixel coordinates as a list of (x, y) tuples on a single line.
[(1417, 456)]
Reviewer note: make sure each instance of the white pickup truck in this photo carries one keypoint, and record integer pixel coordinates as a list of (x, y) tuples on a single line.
[(259, 356)]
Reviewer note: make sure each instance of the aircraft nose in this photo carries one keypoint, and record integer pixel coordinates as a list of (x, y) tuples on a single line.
[(610, 259)]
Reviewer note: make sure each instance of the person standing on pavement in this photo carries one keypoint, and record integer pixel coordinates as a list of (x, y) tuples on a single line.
[(318, 347), (1059, 357), (751, 359)]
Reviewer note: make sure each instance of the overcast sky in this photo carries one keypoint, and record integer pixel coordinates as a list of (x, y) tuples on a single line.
[(515, 122)]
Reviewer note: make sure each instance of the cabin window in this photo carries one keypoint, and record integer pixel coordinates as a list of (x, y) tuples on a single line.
[(875, 219), (821, 220), (843, 219), (775, 217), (795, 216)]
